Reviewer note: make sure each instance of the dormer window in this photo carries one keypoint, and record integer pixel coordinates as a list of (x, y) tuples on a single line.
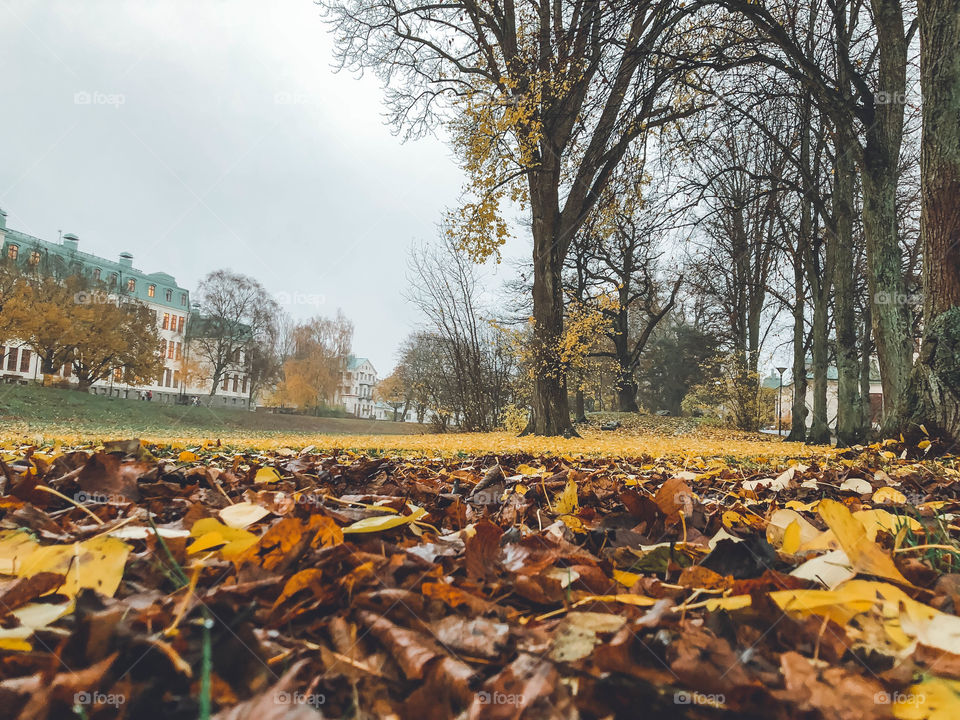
[(34, 257), (113, 279), (168, 295), (183, 299), (13, 251), (131, 285), (151, 290)]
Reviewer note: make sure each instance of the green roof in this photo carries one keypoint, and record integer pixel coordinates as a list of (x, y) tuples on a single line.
[(65, 259), (353, 362)]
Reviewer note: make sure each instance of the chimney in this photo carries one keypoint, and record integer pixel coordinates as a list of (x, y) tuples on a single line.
[(70, 241), (126, 259)]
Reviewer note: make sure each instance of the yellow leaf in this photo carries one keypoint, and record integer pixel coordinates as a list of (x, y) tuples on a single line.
[(96, 563), (566, 502), (574, 523), (379, 523), (934, 698), (186, 456), (791, 538), (625, 578), (889, 495), (211, 533), (266, 475), (923, 444), (866, 556)]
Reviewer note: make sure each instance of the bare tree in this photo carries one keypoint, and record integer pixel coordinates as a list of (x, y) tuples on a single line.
[(236, 312), (559, 92)]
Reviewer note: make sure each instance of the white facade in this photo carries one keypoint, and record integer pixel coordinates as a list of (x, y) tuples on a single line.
[(357, 382)]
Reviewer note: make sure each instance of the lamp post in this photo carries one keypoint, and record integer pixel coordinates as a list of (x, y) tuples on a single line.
[(780, 402)]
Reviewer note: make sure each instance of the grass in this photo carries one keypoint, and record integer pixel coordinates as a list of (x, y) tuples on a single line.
[(31, 410), (43, 416)]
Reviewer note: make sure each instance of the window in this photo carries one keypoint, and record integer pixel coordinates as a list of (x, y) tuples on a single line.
[(96, 273), (224, 387), (118, 374), (12, 359), (170, 349), (236, 380), (13, 251), (180, 323), (34, 257), (113, 279), (177, 354), (151, 290), (176, 378), (244, 384), (24, 360), (183, 299), (168, 295), (166, 321), (131, 285), (163, 348), (166, 377)]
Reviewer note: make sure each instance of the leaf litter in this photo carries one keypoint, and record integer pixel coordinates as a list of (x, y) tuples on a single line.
[(144, 581)]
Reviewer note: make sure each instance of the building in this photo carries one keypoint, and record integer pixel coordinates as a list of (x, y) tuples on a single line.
[(772, 381), (159, 291), (357, 382)]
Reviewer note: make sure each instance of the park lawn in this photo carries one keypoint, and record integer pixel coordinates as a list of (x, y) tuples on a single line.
[(29, 411)]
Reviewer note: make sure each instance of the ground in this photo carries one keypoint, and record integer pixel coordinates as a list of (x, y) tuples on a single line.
[(668, 565)]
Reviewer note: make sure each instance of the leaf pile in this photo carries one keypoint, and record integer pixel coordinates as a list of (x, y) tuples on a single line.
[(141, 582)]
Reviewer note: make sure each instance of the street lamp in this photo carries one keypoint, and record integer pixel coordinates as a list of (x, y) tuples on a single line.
[(780, 402)]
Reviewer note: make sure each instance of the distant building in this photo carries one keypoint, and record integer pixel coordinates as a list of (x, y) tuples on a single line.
[(357, 382), (159, 291), (772, 381)]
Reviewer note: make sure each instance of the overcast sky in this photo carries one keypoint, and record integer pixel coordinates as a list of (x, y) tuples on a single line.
[(201, 135)]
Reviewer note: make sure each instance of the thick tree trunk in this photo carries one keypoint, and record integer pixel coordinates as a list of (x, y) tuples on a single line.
[(627, 393), (880, 175), (549, 405), (935, 385), (819, 428), (848, 360)]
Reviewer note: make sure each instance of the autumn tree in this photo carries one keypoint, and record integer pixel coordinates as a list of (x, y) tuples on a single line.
[(118, 335), (614, 267), (391, 391), (542, 102), (312, 373), (236, 313), (42, 312)]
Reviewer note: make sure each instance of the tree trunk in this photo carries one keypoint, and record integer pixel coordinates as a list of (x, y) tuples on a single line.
[(880, 175), (798, 410), (866, 410), (627, 393), (549, 405), (848, 359), (580, 408), (819, 429), (935, 385)]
